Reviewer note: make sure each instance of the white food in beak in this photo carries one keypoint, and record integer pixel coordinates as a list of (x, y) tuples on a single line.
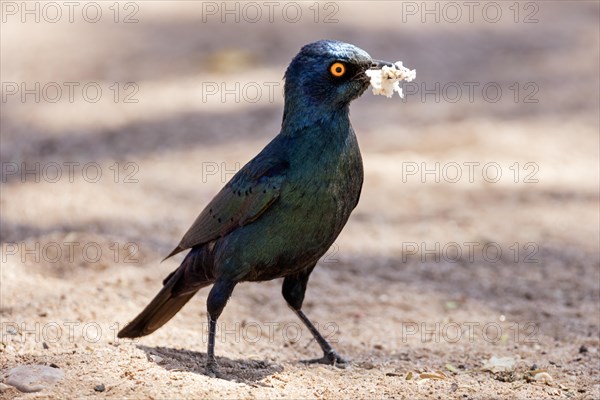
[(386, 81)]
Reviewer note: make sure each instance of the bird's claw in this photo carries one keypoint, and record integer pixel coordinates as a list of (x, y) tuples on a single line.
[(212, 369), (331, 358)]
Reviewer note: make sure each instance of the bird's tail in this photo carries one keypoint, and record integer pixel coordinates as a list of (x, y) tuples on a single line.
[(176, 292)]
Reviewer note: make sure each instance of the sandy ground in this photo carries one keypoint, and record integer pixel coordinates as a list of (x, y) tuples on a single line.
[(428, 281)]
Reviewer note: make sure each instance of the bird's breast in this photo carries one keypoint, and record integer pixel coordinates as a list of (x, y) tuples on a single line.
[(321, 188), (325, 185)]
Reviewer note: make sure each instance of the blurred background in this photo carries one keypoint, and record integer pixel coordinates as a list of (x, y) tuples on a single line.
[(121, 120)]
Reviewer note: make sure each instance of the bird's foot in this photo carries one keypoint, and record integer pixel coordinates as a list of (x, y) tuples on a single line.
[(212, 369), (330, 358)]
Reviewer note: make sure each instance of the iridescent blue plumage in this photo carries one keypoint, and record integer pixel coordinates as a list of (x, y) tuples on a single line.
[(283, 210)]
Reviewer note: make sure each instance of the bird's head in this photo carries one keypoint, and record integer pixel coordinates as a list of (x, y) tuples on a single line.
[(328, 75)]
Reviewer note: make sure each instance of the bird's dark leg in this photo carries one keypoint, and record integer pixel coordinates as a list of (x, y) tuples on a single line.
[(217, 299), (294, 287)]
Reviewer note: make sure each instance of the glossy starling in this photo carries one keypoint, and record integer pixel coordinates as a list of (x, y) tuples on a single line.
[(283, 210)]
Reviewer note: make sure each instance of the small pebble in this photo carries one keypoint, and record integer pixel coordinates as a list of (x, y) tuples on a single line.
[(33, 378), (583, 349), (543, 377), (155, 358), (100, 388)]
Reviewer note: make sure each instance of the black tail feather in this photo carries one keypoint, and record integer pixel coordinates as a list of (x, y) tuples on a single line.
[(178, 289)]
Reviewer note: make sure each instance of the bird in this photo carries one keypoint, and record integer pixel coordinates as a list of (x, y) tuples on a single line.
[(281, 212)]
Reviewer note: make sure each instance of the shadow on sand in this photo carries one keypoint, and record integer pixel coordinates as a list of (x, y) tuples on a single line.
[(241, 370)]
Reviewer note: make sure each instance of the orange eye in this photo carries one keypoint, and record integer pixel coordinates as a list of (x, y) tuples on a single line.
[(337, 69)]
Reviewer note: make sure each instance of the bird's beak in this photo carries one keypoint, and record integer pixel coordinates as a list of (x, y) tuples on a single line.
[(379, 64)]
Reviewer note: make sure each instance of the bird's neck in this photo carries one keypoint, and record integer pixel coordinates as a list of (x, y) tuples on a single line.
[(298, 118)]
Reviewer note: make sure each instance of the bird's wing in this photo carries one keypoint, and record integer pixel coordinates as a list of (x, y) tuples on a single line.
[(249, 193)]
